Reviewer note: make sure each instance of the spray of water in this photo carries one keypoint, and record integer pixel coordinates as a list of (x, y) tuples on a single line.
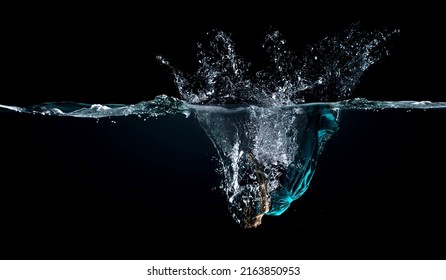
[(328, 70)]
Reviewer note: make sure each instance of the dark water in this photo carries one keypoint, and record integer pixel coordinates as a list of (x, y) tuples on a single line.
[(114, 180), (77, 187)]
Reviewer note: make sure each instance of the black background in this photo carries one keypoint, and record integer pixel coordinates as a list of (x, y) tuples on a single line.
[(81, 189), (106, 53)]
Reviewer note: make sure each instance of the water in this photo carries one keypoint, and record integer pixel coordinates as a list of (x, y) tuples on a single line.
[(270, 126)]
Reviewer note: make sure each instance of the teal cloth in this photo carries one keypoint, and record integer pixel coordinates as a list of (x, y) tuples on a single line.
[(301, 171)]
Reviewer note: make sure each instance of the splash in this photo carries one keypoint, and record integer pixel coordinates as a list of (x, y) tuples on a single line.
[(328, 70), (268, 127)]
